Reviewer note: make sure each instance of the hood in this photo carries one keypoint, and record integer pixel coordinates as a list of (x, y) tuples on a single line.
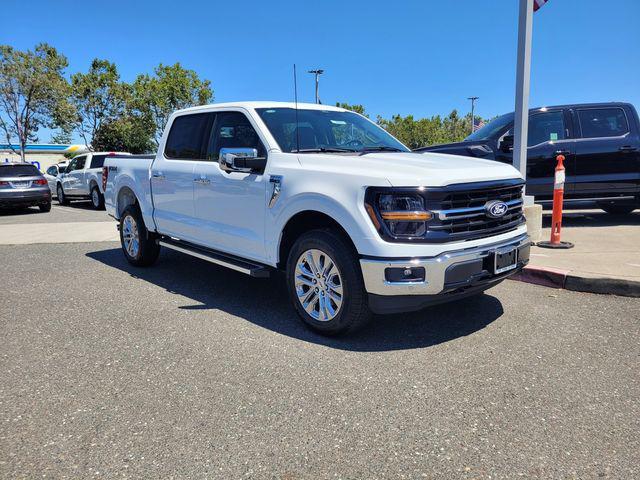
[(413, 169)]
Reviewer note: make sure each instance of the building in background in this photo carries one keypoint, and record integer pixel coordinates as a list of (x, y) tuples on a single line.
[(42, 155)]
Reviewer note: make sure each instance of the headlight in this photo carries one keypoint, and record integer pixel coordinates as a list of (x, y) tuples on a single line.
[(403, 214)]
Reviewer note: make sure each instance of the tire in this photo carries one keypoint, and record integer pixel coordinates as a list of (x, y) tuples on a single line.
[(618, 208), (62, 198), (97, 199), (45, 207), (132, 229), (343, 313)]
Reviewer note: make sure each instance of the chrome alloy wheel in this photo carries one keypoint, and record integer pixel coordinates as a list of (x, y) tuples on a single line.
[(318, 285), (130, 236)]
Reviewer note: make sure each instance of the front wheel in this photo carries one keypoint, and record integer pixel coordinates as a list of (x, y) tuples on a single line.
[(97, 199), (325, 283), (139, 248)]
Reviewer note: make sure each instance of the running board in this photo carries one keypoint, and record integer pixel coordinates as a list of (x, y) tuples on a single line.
[(219, 258)]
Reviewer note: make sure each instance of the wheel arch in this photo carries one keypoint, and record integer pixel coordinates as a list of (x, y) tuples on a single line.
[(126, 196), (302, 222)]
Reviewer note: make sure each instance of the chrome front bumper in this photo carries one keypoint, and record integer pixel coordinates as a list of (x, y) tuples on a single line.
[(373, 270)]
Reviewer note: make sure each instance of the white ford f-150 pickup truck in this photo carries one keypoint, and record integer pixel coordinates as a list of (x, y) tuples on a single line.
[(359, 224), (80, 179)]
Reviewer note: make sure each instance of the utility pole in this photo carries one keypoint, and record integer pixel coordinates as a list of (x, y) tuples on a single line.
[(473, 104), (317, 74), (523, 77)]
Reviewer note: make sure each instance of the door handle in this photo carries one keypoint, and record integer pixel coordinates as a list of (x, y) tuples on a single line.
[(202, 181), (158, 175), (627, 149)]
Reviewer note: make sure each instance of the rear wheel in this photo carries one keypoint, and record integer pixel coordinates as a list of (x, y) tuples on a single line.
[(97, 199), (45, 207), (138, 246), (618, 208), (325, 283), (62, 198)]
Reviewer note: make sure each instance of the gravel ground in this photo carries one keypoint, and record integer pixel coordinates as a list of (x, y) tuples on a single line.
[(189, 370)]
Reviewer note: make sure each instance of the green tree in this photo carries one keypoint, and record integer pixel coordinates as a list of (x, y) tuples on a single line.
[(33, 92), (171, 88), (133, 134), (98, 96), (61, 136), (354, 108)]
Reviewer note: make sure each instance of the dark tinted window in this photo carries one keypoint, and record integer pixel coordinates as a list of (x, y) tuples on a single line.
[(18, 171), (188, 136), (53, 170), (233, 130), (545, 127), (97, 161), (78, 163), (603, 122), (492, 128)]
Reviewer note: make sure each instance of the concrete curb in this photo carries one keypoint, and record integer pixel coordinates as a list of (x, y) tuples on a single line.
[(556, 278)]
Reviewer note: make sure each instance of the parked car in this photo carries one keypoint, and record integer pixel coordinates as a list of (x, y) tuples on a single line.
[(600, 142), (358, 222), (22, 185), (81, 180), (51, 174)]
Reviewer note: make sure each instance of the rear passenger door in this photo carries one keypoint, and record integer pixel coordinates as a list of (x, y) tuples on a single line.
[(172, 175), (607, 158), (72, 180)]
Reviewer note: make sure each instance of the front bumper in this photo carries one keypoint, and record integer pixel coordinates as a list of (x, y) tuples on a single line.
[(25, 198), (447, 276)]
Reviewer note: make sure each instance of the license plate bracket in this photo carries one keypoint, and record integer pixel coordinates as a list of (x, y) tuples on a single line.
[(505, 259)]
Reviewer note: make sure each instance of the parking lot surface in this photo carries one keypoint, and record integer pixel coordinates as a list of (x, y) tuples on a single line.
[(74, 212), (189, 370)]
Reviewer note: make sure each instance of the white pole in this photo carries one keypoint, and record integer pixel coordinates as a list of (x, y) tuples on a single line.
[(523, 77)]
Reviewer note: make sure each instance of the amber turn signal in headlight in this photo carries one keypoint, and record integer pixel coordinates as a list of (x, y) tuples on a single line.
[(416, 216)]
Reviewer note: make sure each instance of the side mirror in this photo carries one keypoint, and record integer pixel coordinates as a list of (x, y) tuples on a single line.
[(506, 143), (243, 160)]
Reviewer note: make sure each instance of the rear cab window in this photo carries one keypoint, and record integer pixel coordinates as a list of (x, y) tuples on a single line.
[(603, 122), (97, 161)]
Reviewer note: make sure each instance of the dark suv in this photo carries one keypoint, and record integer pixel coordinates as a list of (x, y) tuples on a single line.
[(601, 143), (22, 185)]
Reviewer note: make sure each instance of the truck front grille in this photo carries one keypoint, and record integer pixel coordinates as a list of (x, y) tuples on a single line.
[(460, 210)]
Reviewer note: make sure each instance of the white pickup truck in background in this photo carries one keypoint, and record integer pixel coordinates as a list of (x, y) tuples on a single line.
[(359, 224), (81, 179)]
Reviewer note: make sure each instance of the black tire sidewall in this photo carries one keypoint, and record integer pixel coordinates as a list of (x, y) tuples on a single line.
[(100, 200), (62, 199), (352, 311), (148, 249)]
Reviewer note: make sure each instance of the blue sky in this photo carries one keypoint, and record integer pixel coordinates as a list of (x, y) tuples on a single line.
[(421, 57)]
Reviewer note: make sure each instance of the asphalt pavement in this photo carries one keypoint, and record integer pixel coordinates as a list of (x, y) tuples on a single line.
[(187, 370)]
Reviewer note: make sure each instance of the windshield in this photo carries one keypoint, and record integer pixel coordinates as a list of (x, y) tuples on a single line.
[(492, 128), (326, 130)]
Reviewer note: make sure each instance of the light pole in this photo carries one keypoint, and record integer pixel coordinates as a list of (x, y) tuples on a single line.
[(317, 74), (473, 104)]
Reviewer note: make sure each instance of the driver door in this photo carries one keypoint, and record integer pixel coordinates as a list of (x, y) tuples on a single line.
[(230, 206)]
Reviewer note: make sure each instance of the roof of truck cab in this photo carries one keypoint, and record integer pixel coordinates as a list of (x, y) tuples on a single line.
[(262, 104)]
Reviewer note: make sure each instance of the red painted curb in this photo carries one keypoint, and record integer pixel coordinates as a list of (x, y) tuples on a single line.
[(545, 276)]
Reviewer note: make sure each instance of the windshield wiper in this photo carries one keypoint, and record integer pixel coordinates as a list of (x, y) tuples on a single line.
[(323, 150), (380, 148)]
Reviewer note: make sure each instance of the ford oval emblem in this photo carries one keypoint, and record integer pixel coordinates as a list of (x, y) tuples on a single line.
[(495, 209)]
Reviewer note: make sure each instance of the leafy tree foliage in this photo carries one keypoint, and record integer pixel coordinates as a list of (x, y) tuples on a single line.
[(98, 96), (171, 88), (33, 92), (133, 134), (354, 108)]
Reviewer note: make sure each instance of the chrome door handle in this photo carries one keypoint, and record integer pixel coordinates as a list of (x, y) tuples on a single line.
[(202, 181), (158, 175)]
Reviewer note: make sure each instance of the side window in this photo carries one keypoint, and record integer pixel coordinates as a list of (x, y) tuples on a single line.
[(603, 122), (80, 161), (97, 161), (546, 127), (187, 138), (72, 165), (233, 130), (52, 170)]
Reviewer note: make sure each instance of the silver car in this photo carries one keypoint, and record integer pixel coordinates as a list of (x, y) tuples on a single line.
[(22, 185), (52, 173)]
